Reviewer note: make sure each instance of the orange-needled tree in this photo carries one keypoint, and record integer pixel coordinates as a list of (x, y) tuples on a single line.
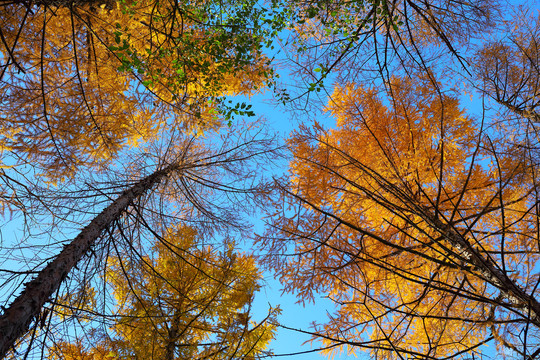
[(420, 223), (80, 80)]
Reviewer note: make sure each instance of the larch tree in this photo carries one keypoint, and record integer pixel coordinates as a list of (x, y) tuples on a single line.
[(418, 222), (508, 67), (189, 182), (188, 300), (82, 80), (354, 41)]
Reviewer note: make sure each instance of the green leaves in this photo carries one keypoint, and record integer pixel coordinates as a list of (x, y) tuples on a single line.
[(311, 12), (239, 109)]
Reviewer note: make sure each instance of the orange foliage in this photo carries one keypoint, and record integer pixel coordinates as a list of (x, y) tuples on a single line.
[(509, 68), (86, 81), (425, 246)]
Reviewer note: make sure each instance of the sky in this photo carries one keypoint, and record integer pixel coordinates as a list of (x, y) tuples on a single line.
[(288, 344), (294, 315), (292, 344)]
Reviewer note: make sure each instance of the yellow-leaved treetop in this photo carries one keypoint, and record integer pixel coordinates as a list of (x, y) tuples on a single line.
[(81, 80), (185, 301), (418, 222)]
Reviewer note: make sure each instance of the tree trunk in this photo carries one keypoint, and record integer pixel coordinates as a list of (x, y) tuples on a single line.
[(172, 338), (16, 319)]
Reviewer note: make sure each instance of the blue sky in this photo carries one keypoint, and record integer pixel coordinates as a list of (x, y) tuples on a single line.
[(294, 315)]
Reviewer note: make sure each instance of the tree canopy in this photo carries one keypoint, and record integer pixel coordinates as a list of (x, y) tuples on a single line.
[(83, 80), (410, 217), (406, 191), (188, 301)]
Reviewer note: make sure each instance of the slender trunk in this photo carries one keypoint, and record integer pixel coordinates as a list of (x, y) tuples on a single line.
[(526, 112), (172, 338), (16, 319), (487, 269)]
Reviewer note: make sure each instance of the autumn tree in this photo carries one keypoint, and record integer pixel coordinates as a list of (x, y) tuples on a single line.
[(508, 67), (187, 181), (186, 301), (354, 41), (418, 221), (82, 80), (82, 84)]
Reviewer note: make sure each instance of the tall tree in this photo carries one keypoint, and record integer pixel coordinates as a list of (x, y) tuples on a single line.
[(187, 185), (81, 82), (17, 318), (419, 223)]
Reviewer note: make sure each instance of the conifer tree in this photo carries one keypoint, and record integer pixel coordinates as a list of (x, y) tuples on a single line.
[(187, 301), (420, 225)]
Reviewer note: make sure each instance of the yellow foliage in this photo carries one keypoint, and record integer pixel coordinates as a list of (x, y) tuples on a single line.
[(95, 79), (185, 301)]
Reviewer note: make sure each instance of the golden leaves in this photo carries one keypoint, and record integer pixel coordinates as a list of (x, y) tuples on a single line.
[(365, 198), (186, 300), (508, 67), (97, 79)]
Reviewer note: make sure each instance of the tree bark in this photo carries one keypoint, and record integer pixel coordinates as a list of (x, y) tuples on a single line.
[(16, 319), (489, 271)]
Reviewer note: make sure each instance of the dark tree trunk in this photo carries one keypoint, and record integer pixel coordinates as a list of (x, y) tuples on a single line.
[(16, 319)]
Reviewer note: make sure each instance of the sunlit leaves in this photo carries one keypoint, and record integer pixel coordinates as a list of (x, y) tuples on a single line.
[(357, 40), (95, 79), (186, 300), (509, 68), (368, 211)]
